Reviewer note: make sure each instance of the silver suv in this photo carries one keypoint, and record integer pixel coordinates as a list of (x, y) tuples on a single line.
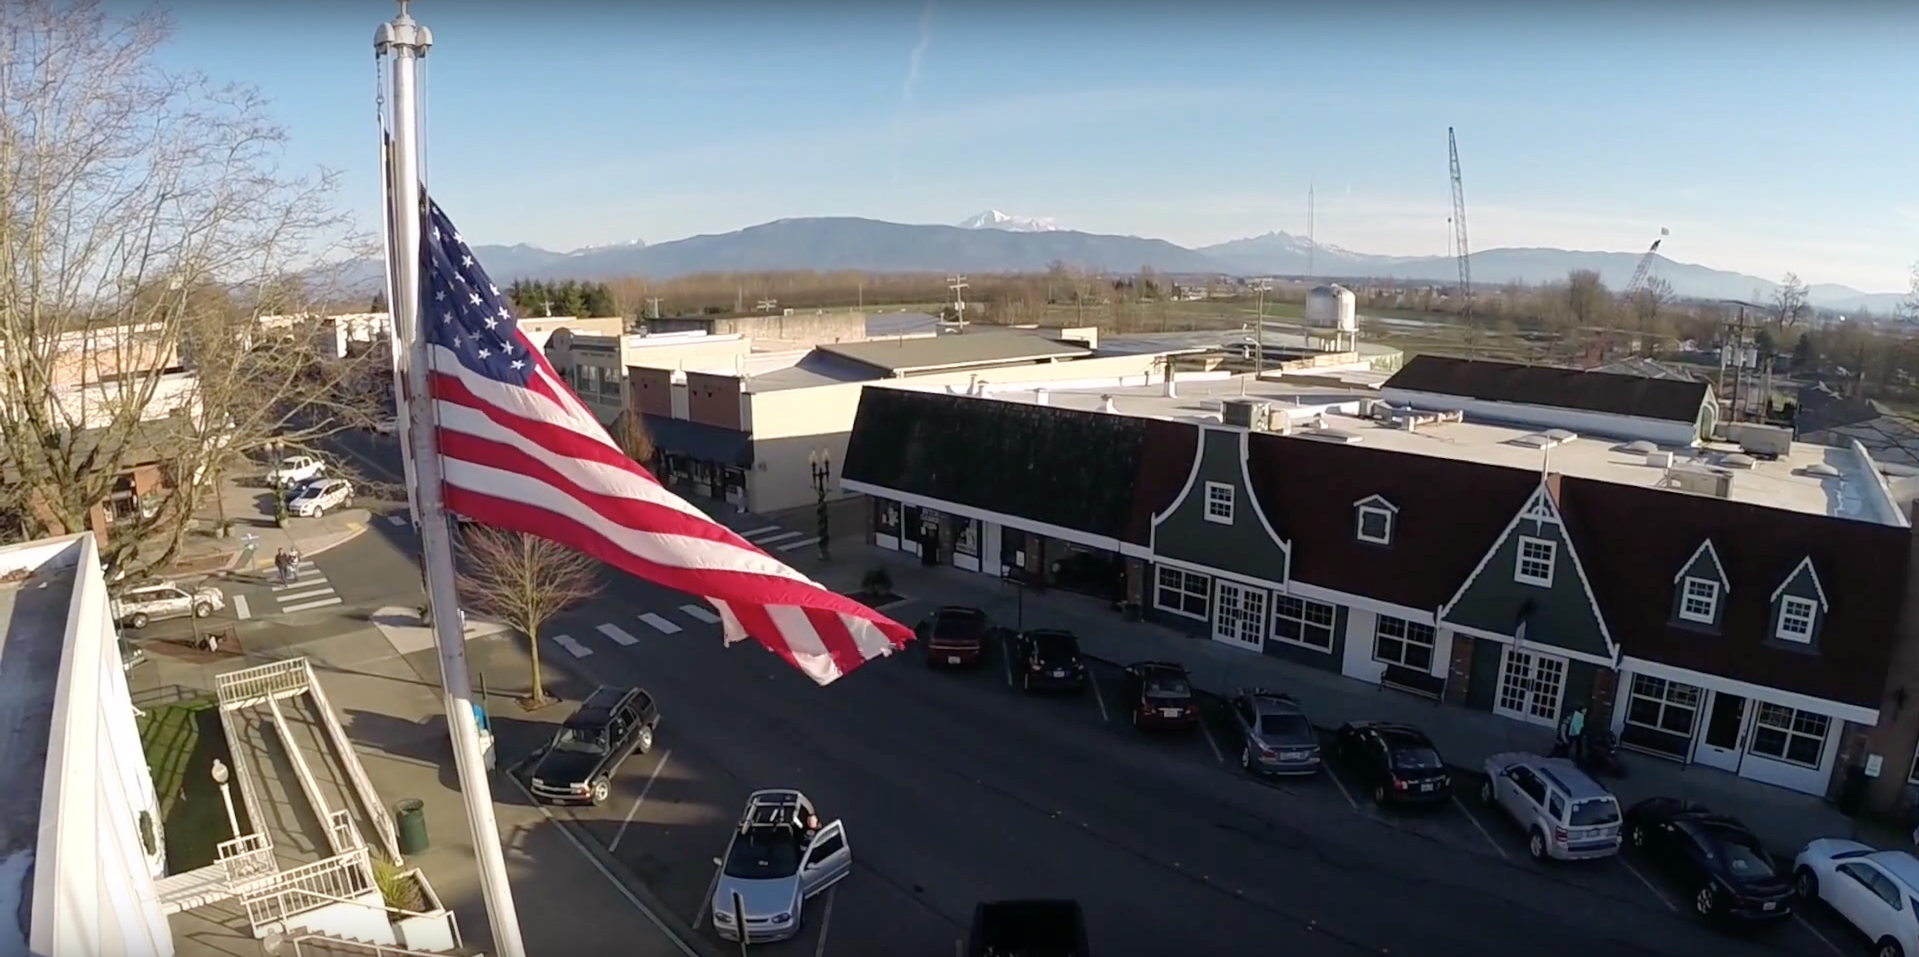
[(136, 605), (1566, 815)]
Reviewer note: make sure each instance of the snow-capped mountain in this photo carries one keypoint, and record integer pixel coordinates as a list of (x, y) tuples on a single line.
[(994, 219), (606, 247)]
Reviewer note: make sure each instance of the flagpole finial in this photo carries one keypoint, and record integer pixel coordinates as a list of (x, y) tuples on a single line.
[(402, 32)]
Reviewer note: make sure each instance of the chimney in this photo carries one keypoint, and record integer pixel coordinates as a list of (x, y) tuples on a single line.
[(1042, 397), (1171, 390), (1106, 404)]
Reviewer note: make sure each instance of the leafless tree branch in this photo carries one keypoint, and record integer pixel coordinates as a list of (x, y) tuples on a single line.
[(523, 580)]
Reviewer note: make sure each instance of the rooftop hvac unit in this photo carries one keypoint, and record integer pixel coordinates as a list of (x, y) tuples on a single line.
[(1765, 441), (1244, 413), (1714, 482)]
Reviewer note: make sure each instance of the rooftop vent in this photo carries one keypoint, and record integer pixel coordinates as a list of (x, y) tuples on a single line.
[(1042, 397), (1534, 440), (1106, 405), (1820, 470), (1561, 436), (1659, 460), (1737, 460), (1245, 413), (1641, 447), (1699, 481), (1331, 435)]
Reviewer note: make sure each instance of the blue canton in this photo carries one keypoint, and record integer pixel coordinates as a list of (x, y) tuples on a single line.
[(462, 310)]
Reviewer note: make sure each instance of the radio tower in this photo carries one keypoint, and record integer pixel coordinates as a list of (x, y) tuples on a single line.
[(1463, 251)]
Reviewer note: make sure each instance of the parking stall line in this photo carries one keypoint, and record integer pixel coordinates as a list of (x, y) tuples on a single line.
[(1803, 922), (1654, 888), (627, 821), (1099, 698), (1481, 828), (1006, 656), (706, 902), (826, 922), (1212, 742), (1341, 785)]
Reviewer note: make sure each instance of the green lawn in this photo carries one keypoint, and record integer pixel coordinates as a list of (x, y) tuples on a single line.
[(181, 741)]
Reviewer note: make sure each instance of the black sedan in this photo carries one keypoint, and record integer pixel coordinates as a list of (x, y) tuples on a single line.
[(1160, 696), (1397, 763), (1715, 858), (1048, 660)]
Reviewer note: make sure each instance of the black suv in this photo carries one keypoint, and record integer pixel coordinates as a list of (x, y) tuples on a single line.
[(578, 765), (1048, 659), (1160, 696)]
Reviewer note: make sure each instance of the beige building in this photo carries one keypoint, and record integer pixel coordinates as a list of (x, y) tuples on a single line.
[(595, 363)]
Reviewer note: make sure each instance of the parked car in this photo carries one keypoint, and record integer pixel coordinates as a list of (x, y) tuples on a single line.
[(1719, 861), (320, 497), (135, 606), (1877, 892), (295, 470), (578, 765), (1160, 696), (1397, 763), (774, 864), (1048, 659), (1564, 813), (1274, 735), (954, 636), (387, 426)]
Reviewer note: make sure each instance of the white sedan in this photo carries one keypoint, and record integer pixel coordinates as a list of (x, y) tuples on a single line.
[(318, 498), (1877, 892)]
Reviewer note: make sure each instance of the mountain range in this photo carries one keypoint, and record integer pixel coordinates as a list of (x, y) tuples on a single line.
[(997, 242)]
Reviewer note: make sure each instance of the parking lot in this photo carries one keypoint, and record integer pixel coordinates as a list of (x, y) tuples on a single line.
[(955, 786)]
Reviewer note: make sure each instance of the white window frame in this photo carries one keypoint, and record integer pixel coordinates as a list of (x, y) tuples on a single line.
[(1520, 561), (1182, 588), (1406, 633), (1219, 503), (1793, 609), (1374, 511), (1709, 597), (1663, 701), (1791, 731), (1306, 619)]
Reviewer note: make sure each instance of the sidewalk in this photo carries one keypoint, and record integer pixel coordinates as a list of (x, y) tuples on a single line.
[(1785, 819), (254, 536)]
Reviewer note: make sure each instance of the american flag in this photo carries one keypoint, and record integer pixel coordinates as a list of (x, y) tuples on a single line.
[(522, 453)]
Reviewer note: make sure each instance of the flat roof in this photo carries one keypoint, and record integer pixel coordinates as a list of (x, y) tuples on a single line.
[(934, 353), (1853, 493), (810, 370), (33, 628)]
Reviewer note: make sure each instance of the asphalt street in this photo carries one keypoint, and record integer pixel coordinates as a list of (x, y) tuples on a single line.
[(957, 787)]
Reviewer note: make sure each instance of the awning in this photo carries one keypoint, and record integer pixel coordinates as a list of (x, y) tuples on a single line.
[(695, 440)]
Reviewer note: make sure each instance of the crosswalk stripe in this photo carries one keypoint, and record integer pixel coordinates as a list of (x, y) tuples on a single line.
[(396, 520), (664, 626), (241, 610), (618, 635), (802, 543), (572, 647), (783, 536), (759, 531), (700, 612), (315, 592), (308, 606)]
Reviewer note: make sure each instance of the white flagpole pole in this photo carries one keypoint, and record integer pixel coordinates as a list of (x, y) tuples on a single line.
[(406, 42), (396, 344)]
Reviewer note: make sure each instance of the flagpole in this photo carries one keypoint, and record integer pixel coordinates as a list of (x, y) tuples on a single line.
[(396, 347), (407, 42)]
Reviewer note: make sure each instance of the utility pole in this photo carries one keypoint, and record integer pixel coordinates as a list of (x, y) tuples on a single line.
[(1312, 247), (1259, 327), (767, 305), (652, 308), (958, 285)]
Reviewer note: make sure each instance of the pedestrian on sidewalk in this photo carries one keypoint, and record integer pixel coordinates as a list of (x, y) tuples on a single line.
[(282, 564)]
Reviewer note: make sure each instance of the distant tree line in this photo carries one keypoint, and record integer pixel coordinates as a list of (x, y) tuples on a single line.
[(534, 298)]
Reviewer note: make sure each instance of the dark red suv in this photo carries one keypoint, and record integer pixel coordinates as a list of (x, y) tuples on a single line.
[(954, 636)]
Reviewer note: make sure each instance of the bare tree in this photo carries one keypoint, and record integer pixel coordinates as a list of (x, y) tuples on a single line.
[(1908, 309), (524, 580), (630, 432), (1789, 305), (1647, 302), (146, 229)]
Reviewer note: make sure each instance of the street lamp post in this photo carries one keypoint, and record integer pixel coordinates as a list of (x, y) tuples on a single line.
[(220, 776), (821, 462)]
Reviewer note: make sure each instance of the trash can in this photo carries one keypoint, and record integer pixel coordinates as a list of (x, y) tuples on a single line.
[(410, 815)]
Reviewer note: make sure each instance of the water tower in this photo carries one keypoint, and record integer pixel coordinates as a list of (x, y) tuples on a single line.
[(1331, 317)]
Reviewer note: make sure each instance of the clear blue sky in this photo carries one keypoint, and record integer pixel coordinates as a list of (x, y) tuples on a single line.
[(1768, 137)]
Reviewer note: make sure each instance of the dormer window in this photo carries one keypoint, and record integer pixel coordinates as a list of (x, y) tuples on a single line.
[(1373, 520), (1219, 503), (1699, 602), (1796, 618), (1535, 562)]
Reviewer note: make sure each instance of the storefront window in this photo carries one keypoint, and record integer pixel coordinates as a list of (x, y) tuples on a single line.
[(1408, 644), (1183, 593), (1302, 622), (1662, 705), (966, 541), (1790, 735), (886, 517)]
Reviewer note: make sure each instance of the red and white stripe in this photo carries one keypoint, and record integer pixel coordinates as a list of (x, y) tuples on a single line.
[(534, 460)]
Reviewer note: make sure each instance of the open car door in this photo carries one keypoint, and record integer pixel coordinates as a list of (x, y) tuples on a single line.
[(828, 860)]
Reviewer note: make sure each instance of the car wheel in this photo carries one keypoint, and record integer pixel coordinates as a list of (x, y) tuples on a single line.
[(1706, 902), (645, 741), (202, 609), (1888, 948), (1246, 758), (137, 621), (319, 513), (602, 789), (1135, 721), (1536, 845), (1026, 683), (1806, 884), (1638, 836), (1379, 794), (1486, 791)]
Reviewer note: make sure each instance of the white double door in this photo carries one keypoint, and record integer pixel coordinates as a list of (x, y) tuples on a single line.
[(1239, 614), (1531, 686)]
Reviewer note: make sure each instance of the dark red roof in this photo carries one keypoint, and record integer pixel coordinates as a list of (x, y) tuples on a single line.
[(1450, 514), (1165, 460), (1672, 400), (1633, 541)]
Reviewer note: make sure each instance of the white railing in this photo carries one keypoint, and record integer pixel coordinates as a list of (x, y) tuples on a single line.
[(344, 835), (291, 893), (296, 755), (362, 787), (280, 679), (248, 860), (319, 945), (242, 778)]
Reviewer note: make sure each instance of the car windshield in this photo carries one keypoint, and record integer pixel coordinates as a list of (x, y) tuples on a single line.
[(1743, 858), (581, 740), (764, 853), (961, 626), (1413, 758), (1594, 813), (309, 491), (1054, 647), (1284, 725), (1168, 686)]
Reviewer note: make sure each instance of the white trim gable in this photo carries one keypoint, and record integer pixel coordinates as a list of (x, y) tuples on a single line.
[(1719, 570), (1252, 498), (1192, 477), (1377, 501), (1540, 509), (1805, 564), (1245, 485)]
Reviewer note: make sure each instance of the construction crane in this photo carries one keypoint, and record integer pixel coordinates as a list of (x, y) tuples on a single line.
[(1644, 268), (1459, 235)]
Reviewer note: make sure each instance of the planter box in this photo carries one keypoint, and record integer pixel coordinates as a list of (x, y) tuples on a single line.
[(434, 929)]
